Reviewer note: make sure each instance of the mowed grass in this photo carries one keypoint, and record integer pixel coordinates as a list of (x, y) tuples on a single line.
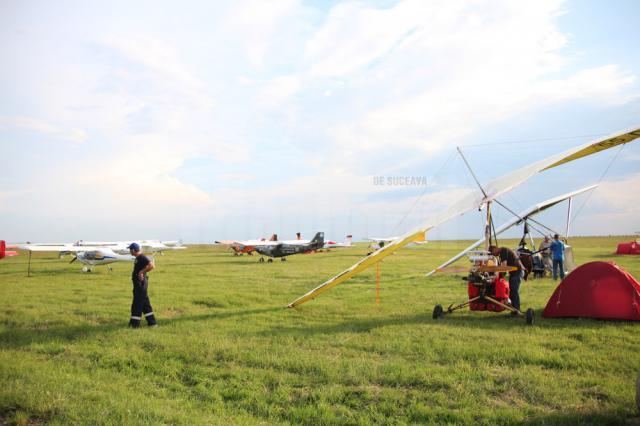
[(228, 352)]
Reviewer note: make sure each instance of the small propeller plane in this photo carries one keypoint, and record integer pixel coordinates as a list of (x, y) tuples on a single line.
[(99, 253), (249, 246), (379, 243), (89, 256), (273, 248)]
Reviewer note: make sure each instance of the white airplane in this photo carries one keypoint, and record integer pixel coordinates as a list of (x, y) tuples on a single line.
[(89, 256), (348, 242), (98, 253), (330, 244), (379, 243), (152, 246)]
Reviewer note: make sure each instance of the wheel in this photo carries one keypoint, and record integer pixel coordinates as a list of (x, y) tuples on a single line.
[(270, 260), (85, 269), (261, 260), (530, 316), (438, 312)]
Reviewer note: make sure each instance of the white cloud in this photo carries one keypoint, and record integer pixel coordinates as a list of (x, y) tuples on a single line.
[(262, 29), (431, 73), (13, 122), (613, 208), (278, 90)]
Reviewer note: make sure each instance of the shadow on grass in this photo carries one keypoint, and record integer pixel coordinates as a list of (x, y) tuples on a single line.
[(572, 418), (611, 257), (499, 321), (18, 337)]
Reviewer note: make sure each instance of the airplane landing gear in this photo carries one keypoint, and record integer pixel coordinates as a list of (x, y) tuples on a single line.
[(283, 259), (270, 260), (530, 316), (86, 269), (438, 312), (261, 260)]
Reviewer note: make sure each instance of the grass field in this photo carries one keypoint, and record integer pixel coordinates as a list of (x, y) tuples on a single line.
[(227, 352)]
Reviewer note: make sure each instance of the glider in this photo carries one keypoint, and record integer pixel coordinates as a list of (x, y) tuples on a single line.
[(473, 200), (517, 220)]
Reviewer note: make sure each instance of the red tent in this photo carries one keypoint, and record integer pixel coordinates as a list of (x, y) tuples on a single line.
[(628, 248), (596, 290)]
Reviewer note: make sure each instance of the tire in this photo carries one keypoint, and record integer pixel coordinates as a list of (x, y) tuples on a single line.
[(530, 316), (438, 312)]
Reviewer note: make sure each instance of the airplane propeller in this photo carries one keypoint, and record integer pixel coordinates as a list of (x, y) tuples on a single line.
[(75, 257)]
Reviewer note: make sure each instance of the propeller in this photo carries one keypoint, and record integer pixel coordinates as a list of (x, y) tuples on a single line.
[(75, 257)]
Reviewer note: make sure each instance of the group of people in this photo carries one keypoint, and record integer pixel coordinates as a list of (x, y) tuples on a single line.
[(553, 255), (551, 250)]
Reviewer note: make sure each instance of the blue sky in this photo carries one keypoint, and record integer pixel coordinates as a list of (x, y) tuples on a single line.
[(211, 120)]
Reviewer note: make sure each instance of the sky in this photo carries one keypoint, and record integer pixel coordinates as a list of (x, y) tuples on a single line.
[(202, 120)]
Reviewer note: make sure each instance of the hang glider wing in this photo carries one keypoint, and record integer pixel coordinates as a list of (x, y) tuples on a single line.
[(516, 220), (472, 200)]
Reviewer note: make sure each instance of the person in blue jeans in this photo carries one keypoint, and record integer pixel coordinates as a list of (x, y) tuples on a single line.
[(557, 254)]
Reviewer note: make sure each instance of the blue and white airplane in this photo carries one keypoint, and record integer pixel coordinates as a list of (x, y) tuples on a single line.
[(92, 254)]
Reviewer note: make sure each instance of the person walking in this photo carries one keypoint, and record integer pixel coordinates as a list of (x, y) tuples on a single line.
[(141, 304), (557, 253)]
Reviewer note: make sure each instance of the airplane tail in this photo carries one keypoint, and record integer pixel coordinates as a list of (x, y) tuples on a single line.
[(3, 248), (318, 240)]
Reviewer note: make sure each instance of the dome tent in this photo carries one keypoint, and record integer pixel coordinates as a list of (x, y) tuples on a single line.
[(628, 248), (600, 290)]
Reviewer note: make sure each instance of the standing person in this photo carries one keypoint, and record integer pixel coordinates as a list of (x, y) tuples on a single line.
[(545, 252), (510, 258), (141, 304), (557, 253)]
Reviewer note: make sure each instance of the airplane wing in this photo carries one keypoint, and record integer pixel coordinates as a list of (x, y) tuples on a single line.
[(382, 240), (473, 200), (516, 220), (56, 248)]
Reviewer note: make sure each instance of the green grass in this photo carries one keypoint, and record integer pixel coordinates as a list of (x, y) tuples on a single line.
[(227, 352)]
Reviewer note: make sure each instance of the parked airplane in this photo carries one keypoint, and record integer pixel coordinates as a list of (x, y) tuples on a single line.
[(3, 250), (96, 253), (89, 256), (150, 246), (249, 246), (348, 242), (281, 249), (378, 243), (327, 244)]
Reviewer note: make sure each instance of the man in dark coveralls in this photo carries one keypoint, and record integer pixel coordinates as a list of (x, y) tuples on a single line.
[(510, 258), (141, 305)]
